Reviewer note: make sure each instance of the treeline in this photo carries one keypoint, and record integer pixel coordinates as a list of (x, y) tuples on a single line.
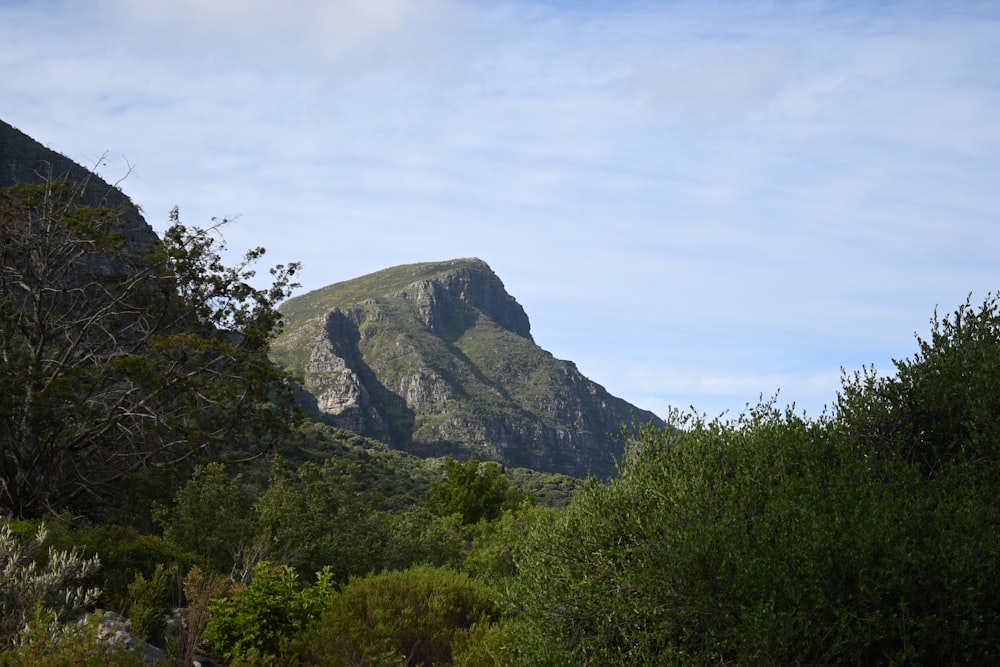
[(868, 535)]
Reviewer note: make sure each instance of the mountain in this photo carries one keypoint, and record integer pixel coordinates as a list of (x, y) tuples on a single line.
[(438, 358), (25, 161)]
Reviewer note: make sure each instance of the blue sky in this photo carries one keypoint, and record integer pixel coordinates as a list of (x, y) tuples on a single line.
[(697, 202)]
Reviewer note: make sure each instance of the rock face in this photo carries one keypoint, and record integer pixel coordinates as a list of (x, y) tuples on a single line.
[(24, 161), (438, 358)]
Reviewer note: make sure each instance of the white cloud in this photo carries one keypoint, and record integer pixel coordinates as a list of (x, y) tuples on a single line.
[(268, 33), (720, 186)]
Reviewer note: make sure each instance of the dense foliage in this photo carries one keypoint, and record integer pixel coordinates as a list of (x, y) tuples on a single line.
[(473, 491), (864, 537)]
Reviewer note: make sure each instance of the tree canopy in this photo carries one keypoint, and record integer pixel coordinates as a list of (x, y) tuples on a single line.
[(118, 360)]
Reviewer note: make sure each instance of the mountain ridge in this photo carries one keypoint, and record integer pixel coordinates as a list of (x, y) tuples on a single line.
[(437, 358)]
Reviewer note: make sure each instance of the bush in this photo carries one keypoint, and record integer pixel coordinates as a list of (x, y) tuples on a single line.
[(126, 555), (940, 407), (508, 643), (44, 644), (409, 617), (417, 537), (315, 518), (756, 541), (32, 586), (150, 603), (253, 623), (474, 491), (768, 539)]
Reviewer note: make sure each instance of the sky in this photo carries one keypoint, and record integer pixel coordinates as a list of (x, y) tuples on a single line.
[(699, 203)]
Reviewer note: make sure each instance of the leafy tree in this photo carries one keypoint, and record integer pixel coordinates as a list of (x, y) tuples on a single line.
[(212, 516), (118, 360), (767, 539), (942, 404), (473, 490), (317, 518)]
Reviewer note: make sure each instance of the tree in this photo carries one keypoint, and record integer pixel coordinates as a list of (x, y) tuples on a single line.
[(316, 518), (212, 516), (473, 490), (764, 540), (941, 405), (119, 360)]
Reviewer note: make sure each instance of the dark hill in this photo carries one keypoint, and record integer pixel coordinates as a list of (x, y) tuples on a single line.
[(438, 358), (25, 161)]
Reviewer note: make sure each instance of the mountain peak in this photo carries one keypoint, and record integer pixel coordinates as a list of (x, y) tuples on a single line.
[(443, 290), (437, 358)]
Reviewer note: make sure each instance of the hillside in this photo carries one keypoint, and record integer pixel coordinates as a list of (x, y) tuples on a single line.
[(438, 358), (24, 160)]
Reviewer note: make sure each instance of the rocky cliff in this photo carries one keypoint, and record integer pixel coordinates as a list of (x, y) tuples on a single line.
[(438, 358)]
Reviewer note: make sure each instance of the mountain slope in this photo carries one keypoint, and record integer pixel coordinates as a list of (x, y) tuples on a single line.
[(25, 161), (438, 358)]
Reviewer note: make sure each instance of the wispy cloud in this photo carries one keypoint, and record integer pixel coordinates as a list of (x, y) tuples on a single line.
[(689, 198)]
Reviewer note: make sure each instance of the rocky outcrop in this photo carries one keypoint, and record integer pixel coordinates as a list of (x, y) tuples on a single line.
[(116, 630), (438, 358)]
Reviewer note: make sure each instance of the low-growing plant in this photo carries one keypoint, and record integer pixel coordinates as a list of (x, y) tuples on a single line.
[(199, 591), (150, 602), (125, 554), (508, 643)]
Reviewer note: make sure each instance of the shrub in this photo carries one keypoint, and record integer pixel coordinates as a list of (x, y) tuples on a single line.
[(508, 643), (150, 602), (126, 555), (315, 518), (417, 537), (408, 617), (44, 644), (255, 621), (50, 586), (199, 591)]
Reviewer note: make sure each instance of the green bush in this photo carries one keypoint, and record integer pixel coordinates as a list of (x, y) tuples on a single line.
[(315, 518), (756, 541), (941, 405), (491, 557), (409, 617), (508, 643), (474, 491), (125, 555), (417, 537), (253, 623), (150, 603)]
